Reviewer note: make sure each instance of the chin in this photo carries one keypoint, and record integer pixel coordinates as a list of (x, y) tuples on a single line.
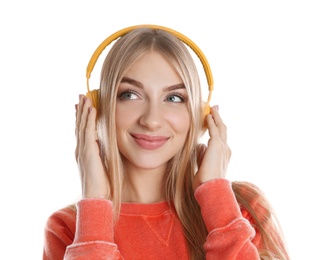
[(147, 162)]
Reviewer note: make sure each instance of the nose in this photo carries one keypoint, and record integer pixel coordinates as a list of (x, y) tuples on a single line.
[(152, 117)]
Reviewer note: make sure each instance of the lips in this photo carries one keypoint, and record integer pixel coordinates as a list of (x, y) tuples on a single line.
[(149, 142)]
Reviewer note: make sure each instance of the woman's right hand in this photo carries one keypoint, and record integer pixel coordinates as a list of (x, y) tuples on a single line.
[(92, 171)]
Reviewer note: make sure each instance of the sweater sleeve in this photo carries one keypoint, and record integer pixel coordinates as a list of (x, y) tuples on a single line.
[(93, 238), (229, 233)]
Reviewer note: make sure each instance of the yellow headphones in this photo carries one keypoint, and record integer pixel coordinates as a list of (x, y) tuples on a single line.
[(93, 95)]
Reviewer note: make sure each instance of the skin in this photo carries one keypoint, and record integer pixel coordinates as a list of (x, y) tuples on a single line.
[(146, 106), (152, 102)]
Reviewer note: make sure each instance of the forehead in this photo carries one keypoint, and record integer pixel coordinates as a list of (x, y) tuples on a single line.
[(152, 65)]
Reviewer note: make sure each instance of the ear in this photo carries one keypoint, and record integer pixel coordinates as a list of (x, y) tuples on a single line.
[(94, 96)]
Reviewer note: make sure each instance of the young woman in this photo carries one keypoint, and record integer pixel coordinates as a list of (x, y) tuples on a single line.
[(150, 190)]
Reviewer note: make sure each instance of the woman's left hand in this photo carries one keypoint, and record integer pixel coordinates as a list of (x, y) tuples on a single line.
[(213, 159)]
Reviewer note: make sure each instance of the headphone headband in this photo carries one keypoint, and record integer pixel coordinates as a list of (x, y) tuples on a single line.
[(94, 93)]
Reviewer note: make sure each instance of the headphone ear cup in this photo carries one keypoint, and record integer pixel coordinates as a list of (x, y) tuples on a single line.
[(206, 110), (94, 96)]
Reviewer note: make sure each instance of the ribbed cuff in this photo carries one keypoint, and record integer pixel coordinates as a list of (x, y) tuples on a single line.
[(94, 221), (218, 203)]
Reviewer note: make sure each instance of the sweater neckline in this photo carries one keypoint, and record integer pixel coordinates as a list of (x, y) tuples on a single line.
[(144, 209)]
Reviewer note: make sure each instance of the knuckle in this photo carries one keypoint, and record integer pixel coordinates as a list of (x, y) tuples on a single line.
[(80, 131)]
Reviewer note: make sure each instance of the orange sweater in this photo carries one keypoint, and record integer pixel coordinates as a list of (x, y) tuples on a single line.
[(151, 231)]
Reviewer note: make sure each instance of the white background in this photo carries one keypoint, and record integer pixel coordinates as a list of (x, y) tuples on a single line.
[(264, 57)]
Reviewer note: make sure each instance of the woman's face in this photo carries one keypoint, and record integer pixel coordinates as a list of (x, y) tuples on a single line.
[(152, 118)]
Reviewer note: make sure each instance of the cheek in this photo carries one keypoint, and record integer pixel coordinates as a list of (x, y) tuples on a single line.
[(123, 117), (180, 122)]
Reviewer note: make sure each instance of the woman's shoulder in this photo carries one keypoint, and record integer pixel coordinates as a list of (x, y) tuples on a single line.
[(59, 232), (62, 220)]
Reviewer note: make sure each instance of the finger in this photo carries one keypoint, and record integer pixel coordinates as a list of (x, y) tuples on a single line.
[(79, 108), (200, 151), (222, 129), (90, 132), (75, 129), (212, 128), (79, 113), (85, 105)]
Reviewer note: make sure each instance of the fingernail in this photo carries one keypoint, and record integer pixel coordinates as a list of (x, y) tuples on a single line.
[(216, 107)]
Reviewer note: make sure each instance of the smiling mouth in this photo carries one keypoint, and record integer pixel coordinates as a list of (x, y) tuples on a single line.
[(148, 142)]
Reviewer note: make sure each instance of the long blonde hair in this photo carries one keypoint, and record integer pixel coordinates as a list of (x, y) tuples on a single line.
[(179, 176)]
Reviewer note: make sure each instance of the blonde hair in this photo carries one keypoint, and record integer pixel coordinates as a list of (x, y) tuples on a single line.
[(179, 176)]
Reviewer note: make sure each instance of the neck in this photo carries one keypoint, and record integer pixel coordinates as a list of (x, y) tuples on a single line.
[(144, 185)]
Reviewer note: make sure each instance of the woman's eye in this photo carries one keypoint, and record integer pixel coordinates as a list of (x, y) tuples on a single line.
[(128, 95), (175, 99)]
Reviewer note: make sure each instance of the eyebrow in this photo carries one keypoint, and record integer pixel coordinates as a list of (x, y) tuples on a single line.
[(140, 85), (132, 82)]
